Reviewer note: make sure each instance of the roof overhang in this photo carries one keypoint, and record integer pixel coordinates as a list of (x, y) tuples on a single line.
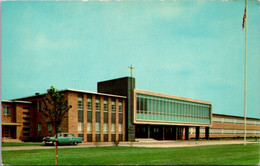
[(11, 124), (16, 101)]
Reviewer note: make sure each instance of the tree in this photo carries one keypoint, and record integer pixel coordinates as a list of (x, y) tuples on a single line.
[(55, 109)]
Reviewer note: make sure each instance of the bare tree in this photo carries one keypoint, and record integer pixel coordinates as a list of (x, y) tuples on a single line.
[(55, 108)]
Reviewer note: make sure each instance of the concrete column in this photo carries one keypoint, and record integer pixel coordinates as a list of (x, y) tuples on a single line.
[(187, 134), (163, 133), (148, 131), (207, 133), (197, 133), (175, 133)]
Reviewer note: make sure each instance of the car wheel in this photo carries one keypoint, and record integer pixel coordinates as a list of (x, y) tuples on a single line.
[(75, 143)]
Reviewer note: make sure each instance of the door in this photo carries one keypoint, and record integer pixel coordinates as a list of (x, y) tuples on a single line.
[(141, 131), (156, 132), (6, 132)]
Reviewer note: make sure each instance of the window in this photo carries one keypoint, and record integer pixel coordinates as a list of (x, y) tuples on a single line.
[(113, 128), (97, 104), (80, 115), (89, 116), (105, 104), (39, 127), (80, 128), (113, 106), (105, 110), (120, 105), (38, 106), (89, 128), (80, 101), (98, 116), (105, 117), (120, 128), (7, 110), (89, 132), (121, 118), (89, 102), (105, 128), (97, 128), (89, 137), (113, 117), (168, 109)]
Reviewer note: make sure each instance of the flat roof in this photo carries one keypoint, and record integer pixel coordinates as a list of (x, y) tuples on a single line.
[(171, 96), (96, 93), (234, 116), (17, 101), (71, 90)]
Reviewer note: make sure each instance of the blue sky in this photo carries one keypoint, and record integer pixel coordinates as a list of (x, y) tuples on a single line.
[(192, 49)]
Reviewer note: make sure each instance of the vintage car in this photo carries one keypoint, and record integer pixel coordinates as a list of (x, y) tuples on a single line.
[(63, 138)]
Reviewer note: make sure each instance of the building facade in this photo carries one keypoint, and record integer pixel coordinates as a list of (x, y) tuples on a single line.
[(15, 119), (167, 117), (94, 116), (118, 111)]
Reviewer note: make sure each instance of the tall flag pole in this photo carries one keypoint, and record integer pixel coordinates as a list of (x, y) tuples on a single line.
[(244, 25)]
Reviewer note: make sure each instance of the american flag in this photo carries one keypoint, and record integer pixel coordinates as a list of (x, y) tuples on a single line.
[(244, 19)]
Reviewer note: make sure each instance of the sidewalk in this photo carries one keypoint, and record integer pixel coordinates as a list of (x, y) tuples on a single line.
[(150, 144)]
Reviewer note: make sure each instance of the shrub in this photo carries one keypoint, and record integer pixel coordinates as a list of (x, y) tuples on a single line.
[(116, 142)]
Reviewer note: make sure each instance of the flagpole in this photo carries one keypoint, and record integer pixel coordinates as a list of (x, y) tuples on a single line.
[(245, 73)]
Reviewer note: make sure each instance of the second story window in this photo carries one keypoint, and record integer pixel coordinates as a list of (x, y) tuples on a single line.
[(7, 110), (38, 106), (89, 102), (97, 104), (80, 102), (120, 105), (113, 106), (105, 105)]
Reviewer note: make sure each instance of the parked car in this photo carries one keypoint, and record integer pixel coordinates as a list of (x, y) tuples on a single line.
[(63, 138)]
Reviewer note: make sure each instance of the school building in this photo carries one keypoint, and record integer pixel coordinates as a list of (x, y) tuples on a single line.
[(119, 111)]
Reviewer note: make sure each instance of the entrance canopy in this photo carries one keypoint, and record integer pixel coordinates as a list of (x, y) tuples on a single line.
[(11, 124)]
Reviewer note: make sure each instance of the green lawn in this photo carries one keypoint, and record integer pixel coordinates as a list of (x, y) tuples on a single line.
[(4, 144), (204, 155)]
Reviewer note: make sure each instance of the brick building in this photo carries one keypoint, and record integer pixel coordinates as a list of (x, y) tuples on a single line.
[(93, 116), (118, 111)]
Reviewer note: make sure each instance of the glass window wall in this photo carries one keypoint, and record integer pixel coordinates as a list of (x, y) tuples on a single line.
[(154, 108)]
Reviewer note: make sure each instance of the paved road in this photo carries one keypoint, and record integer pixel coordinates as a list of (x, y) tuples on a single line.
[(157, 144)]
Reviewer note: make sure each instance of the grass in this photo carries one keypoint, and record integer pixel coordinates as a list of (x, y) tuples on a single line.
[(204, 155), (5, 144)]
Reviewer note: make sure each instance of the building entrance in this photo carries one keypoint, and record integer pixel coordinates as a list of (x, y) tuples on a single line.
[(159, 132), (9, 132), (170, 133), (156, 132), (141, 131)]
